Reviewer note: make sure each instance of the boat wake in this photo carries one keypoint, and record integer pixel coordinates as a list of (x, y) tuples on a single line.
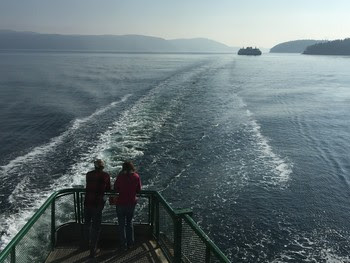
[(122, 130)]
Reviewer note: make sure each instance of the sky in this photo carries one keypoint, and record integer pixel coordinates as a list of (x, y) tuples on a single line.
[(236, 23)]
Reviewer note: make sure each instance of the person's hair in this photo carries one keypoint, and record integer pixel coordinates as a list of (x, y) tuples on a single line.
[(99, 164), (128, 167)]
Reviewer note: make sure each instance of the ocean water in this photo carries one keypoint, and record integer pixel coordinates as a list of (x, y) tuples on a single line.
[(258, 147)]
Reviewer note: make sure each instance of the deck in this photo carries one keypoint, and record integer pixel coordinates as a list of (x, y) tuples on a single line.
[(67, 247)]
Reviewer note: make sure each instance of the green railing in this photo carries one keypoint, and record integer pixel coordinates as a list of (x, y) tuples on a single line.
[(179, 237)]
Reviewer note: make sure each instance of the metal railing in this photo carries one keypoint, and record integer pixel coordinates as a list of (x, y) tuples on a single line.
[(179, 237)]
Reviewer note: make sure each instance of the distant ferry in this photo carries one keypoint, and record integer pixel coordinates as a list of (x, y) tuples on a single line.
[(249, 51)]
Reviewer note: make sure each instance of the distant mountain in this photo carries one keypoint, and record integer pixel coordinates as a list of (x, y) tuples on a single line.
[(120, 43), (296, 46), (199, 45), (336, 47)]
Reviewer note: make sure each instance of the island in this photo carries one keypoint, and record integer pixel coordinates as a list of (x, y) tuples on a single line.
[(294, 46), (335, 47), (249, 51), (12, 40)]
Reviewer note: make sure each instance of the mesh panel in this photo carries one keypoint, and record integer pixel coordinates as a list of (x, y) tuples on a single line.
[(142, 210), (36, 244), (65, 210), (109, 214), (192, 246), (166, 230), (7, 259), (214, 259)]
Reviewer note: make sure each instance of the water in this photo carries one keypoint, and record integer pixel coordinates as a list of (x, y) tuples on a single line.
[(258, 147)]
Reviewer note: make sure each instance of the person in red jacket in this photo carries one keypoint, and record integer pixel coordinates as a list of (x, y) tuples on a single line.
[(127, 184), (97, 182)]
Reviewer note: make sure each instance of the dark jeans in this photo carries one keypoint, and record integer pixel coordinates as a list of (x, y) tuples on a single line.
[(126, 230), (92, 231)]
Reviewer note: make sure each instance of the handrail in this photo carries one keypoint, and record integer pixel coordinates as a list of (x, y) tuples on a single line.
[(155, 199), (165, 204)]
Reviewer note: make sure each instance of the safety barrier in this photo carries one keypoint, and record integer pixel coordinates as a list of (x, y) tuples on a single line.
[(177, 234)]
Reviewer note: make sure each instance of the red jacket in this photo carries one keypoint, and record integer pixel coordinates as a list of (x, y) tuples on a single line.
[(127, 185), (97, 182)]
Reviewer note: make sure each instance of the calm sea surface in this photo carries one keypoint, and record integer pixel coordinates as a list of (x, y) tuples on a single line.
[(258, 147)]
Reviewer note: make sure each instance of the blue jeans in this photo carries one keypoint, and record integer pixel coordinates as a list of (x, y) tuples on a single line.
[(126, 230), (92, 231)]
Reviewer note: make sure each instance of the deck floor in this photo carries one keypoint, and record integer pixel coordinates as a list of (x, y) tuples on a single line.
[(143, 251), (67, 248)]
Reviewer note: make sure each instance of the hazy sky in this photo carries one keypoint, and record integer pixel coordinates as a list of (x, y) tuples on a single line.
[(232, 22)]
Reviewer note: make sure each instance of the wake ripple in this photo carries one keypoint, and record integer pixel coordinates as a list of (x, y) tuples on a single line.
[(33, 169)]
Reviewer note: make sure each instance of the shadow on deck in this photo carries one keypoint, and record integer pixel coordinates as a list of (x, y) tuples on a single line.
[(67, 247)]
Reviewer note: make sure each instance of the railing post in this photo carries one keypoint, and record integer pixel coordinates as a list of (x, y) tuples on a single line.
[(13, 255), (177, 238), (78, 207), (151, 211), (207, 254), (178, 233), (53, 224), (157, 215), (78, 213)]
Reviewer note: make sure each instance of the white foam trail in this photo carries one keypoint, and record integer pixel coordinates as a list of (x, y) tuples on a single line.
[(331, 257), (313, 247), (12, 223), (282, 169), (50, 146), (129, 135)]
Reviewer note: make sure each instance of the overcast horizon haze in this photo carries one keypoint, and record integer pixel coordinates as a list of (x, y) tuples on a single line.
[(234, 23)]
